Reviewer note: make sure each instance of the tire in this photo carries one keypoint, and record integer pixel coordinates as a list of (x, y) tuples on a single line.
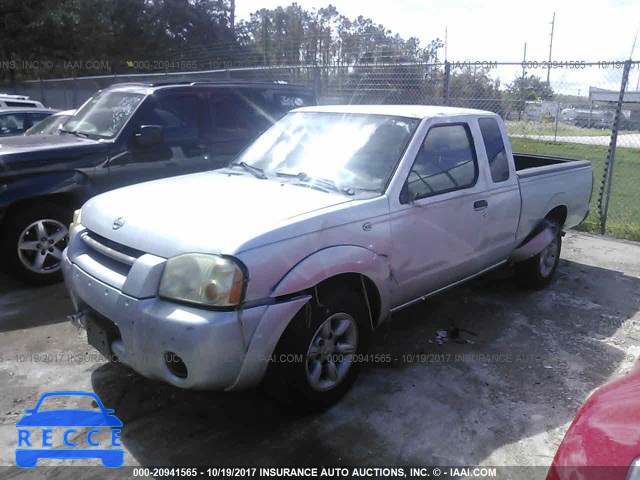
[(29, 258), (304, 375), (538, 272)]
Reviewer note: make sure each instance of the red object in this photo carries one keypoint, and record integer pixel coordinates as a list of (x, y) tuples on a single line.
[(604, 438)]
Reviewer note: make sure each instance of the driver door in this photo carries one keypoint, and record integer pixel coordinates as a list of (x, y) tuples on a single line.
[(183, 149), (437, 223)]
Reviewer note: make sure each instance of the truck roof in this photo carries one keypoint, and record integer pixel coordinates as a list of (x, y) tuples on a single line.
[(410, 111), (145, 88)]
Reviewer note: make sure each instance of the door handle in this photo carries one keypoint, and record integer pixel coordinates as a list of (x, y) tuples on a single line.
[(480, 204)]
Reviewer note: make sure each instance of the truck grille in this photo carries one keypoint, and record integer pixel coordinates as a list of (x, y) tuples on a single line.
[(119, 257)]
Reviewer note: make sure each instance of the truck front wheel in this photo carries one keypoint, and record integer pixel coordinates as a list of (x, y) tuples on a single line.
[(538, 271), (320, 353), (33, 241)]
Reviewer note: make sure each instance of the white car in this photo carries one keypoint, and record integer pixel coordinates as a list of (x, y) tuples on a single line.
[(18, 101)]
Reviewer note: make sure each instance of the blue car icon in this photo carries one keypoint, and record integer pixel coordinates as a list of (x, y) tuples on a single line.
[(28, 457)]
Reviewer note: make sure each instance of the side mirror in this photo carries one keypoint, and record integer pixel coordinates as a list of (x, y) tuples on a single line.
[(149, 135)]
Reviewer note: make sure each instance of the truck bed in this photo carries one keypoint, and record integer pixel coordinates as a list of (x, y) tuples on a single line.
[(529, 164), (546, 180)]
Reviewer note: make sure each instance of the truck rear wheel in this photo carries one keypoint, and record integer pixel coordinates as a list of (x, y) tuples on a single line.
[(33, 241), (317, 358), (538, 271)]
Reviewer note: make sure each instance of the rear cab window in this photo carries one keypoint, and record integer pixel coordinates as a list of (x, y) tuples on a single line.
[(496, 152)]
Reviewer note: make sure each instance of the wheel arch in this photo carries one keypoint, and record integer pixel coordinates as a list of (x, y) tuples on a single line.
[(557, 215), (63, 199), (353, 266)]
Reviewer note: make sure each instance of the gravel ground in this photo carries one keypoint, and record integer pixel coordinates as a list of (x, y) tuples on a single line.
[(502, 393)]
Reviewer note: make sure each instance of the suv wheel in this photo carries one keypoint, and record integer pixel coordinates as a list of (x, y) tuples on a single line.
[(34, 239)]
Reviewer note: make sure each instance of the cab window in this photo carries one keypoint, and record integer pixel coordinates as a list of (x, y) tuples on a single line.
[(446, 162)]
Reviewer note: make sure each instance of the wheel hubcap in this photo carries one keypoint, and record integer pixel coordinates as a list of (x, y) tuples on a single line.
[(41, 244), (330, 354), (548, 258)]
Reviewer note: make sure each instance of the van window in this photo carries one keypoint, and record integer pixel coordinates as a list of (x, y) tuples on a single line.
[(242, 114), (9, 103), (12, 124), (494, 145), (239, 116), (446, 162), (180, 115)]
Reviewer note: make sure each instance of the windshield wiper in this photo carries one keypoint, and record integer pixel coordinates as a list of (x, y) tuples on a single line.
[(255, 171), (318, 182), (75, 132)]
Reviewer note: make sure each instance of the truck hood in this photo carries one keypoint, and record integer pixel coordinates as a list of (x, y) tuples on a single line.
[(42, 142), (211, 212), (36, 151)]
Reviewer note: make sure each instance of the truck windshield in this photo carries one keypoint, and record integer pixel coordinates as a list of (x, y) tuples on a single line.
[(351, 151), (104, 115)]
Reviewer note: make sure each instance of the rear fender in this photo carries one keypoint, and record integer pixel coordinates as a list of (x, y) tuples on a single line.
[(537, 241)]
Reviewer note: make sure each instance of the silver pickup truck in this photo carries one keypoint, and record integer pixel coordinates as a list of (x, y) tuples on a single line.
[(279, 266)]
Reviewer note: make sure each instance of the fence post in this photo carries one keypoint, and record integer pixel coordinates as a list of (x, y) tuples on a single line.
[(75, 93), (445, 85), (317, 81), (42, 98), (605, 188)]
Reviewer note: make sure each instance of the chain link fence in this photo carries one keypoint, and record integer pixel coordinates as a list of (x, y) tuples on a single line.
[(571, 109)]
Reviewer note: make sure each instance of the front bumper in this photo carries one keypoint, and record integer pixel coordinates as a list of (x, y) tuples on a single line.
[(222, 350)]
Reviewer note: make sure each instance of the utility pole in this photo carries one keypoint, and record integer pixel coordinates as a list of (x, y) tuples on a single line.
[(445, 43), (553, 24), (524, 62), (265, 37), (522, 83)]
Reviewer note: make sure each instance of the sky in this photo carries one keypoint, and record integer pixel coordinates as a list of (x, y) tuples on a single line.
[(497, 30)]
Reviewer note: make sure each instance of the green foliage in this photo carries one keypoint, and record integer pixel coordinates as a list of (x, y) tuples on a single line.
[(115, 31), (292, 35), (473, 88), (67, 33), (530, 88)]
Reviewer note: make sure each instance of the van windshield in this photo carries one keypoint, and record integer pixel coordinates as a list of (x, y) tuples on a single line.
[(351, 151), (104, 115)]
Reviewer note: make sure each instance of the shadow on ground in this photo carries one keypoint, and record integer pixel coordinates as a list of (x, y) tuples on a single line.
[(522, 365), (23, 306)]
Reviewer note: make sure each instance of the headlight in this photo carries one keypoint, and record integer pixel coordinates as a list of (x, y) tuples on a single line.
[(77, 218), (203, 279)]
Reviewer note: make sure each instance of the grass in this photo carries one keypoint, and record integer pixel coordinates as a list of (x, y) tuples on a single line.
[(623, 220), (548, 128)]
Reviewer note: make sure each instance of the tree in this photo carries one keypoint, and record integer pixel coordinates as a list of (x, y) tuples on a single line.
[(524, 89), (530, 88), (473, 88), (68, 33)]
